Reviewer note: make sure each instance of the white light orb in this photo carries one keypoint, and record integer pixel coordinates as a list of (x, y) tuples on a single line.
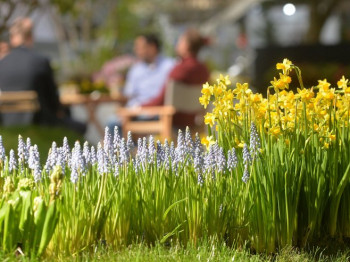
[(289, 9)]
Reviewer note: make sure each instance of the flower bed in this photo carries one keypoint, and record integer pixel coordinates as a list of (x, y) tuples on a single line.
[(275, 172)]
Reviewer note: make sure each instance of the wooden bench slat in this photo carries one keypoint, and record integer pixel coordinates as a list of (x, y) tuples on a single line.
[(19, 101)]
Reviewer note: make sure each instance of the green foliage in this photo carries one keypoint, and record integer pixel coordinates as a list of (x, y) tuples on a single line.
[(286, 185), (25, 224)]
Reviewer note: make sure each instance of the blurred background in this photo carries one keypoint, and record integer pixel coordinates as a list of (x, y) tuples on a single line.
[(246, 37), (87, 38)]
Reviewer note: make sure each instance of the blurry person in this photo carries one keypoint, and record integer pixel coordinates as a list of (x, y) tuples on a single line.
[(4, 49), (188, 70), (147, 76), (24, 69)]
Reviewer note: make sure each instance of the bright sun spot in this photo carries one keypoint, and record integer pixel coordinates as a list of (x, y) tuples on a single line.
[(289, 9)]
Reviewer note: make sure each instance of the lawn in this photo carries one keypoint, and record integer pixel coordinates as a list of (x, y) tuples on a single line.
[(43, 136), (204, 252)]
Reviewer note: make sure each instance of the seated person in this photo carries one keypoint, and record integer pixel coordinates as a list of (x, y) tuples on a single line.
[(146, 77), (22, 70), (188, 70)]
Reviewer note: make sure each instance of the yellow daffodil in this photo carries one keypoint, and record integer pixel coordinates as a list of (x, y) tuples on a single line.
[(332, 137), (275, 131), (284, 66), (209, 119), (287, 142), (305, 94), (224, 79), (208, 141), (204, 101), (343, 83), (323, 85)]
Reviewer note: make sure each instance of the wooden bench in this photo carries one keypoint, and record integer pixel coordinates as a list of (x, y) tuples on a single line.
[(179, 97), (19, 102), (162, 126)]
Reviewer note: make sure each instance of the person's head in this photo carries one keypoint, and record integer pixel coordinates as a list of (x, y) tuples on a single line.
[(147, 47), (190, 43), (21, 32)]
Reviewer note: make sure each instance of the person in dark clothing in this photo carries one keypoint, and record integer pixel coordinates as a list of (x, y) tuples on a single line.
[(23, 69)]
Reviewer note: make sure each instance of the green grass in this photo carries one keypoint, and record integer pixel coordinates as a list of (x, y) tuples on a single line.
[(205, 252), (43, 136)]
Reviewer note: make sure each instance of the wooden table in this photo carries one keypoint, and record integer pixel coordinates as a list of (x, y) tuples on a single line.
[(91, 102)]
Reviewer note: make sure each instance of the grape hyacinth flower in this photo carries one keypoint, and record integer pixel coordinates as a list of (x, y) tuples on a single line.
[(77, 159), (34, 163), (2, 151), (116, 169), (123, 152), (138, 158), (160, 154), (66, 150), (189, 145), (220, 158), (61, 159), (180, 151), (51, 158), (232, 159), (86, 153), (247, 158), (246, 174), (22, 152), (12, 161), (151, 150), (129, 142), (32, 157), (198, 161), (180, 148), (107, 143), (254, 140), (209, 161), (198, 143), (93, 157), (116, 139), (172, 150), (102, 161), (136, 165), (74, 174), (142, 153), (29, 143), (167, 155)]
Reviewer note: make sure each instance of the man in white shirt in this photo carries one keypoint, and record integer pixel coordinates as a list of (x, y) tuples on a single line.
[(147, 77)]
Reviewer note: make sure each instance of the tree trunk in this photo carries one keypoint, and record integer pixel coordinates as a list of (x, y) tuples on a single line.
[(319, 13), (315, 26)]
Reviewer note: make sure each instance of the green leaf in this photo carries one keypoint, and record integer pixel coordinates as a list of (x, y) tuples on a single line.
[(171, 206), (51, 220), (25, 212)]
